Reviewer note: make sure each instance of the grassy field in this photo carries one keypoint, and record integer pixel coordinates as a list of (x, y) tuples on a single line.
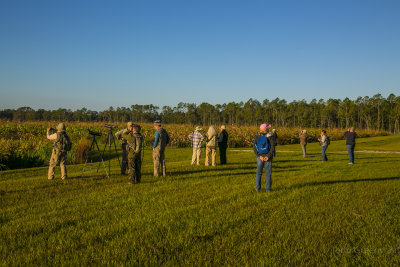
[(319, 213)]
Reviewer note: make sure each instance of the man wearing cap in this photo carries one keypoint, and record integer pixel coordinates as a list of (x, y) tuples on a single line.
[(124, 163), (57, 154), (134, 147), (263, 148), (222, 144), (196, 138), (161, 140), (350, 136)]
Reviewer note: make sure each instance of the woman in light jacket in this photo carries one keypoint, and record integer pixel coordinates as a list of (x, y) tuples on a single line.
[(303, 141)]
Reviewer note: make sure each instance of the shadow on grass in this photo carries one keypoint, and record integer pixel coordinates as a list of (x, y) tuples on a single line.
[(342, 182)]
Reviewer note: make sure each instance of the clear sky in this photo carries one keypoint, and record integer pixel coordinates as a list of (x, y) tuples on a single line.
[(97, 54)]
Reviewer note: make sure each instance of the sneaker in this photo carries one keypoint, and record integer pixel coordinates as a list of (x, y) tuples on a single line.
[(351, 163)]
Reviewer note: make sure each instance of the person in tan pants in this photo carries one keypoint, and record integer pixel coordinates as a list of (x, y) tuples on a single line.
[(161, 140), (57, 154), (211, 146)]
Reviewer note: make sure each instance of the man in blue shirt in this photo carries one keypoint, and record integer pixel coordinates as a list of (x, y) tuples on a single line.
[(161, 139)]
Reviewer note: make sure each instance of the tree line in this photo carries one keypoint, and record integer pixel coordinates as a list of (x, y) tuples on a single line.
[(376, 112)]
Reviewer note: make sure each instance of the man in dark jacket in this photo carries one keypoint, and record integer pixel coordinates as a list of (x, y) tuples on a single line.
[(350, 136), (273, 139), (264, 157), (222, 144)]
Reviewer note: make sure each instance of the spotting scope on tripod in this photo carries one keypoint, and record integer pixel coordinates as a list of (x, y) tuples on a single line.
[(110, 140), (93, 145)]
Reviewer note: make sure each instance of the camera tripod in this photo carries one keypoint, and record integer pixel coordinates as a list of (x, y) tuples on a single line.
[(110, 140), (91, 151)]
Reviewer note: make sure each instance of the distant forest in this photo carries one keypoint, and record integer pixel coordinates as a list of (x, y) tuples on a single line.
[(375, 112)]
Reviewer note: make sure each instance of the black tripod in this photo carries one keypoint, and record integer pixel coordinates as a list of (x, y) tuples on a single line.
[(110, 140), (91, 151)]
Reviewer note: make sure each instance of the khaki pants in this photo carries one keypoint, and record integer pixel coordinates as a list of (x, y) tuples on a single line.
[(196, 156), (57, 156), (159, 162), (213, 152)]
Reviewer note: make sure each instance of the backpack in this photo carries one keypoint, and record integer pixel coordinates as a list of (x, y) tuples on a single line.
[(63, 143), (328, 141), (262, 145)]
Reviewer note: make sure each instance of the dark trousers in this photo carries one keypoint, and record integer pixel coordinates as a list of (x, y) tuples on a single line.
[(222, 154), (124, 163), (350, 151), (323, 152), (135, 165)]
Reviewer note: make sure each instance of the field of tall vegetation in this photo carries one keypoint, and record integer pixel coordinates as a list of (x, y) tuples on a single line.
[(25, 145)]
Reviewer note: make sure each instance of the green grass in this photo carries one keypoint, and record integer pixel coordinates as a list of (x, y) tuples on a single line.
[(320, 213)]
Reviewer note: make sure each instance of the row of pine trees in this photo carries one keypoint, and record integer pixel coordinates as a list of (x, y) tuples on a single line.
[(377, 113)]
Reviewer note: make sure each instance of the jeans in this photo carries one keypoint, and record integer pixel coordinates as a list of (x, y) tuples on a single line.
[(267, 165), (324, 157), (350, 151)]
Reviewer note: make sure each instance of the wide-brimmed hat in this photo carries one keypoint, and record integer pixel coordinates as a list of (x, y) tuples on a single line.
[(198, 128), (61, 127), (157, 123), (264, 127), (129, 124), (223, 127)]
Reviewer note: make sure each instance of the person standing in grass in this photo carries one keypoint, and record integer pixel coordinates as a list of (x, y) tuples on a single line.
[(222, 144), (196, 138), (350, 136), (211, 146), (161, 140), (263, 148), (303, 141), (274, 137), (62, 144), (134, 148), (124, 163), (324, 142)]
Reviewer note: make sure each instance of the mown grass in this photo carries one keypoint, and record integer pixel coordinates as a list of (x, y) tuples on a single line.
[(320, 213)]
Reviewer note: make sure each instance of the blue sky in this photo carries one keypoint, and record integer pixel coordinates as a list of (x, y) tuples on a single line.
[(96, 54)]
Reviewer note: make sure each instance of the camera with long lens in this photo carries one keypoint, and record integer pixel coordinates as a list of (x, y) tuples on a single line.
[(110, 126), (94, 133)]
